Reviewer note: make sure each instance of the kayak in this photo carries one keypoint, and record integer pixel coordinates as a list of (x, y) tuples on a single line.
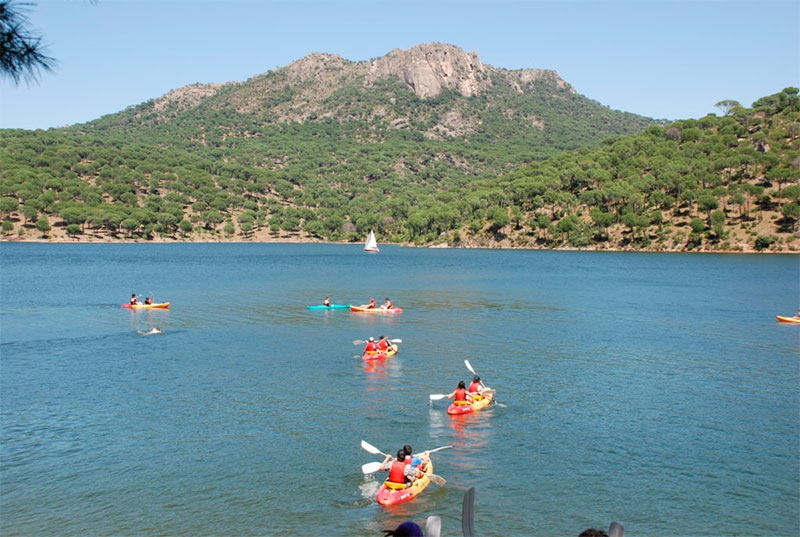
[(364, 309), (160, 305), (782, 319), (331, 307), (389, 494), (368, 356), (480, 404)]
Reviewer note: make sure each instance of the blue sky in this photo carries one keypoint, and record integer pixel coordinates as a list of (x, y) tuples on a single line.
[(665, 59)]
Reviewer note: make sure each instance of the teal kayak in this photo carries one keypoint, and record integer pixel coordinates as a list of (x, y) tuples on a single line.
[(331, 307)]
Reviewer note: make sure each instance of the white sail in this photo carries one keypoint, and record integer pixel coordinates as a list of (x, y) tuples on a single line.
[(371, 245)]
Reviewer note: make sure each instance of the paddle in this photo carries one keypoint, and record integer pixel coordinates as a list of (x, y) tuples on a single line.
[(615, 529), (440, 396), (468, 513), (471, 370), (433, 526), (372, 467), (375, 451), (469, 366), (361, 341), (372, 449)]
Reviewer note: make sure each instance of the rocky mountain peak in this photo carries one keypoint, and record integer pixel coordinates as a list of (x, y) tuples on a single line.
[(432, 67)]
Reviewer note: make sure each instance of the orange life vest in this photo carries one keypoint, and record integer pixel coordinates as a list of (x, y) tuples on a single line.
[(397, 473)]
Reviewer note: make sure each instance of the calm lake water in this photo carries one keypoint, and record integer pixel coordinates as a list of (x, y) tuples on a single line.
[(656, 390)]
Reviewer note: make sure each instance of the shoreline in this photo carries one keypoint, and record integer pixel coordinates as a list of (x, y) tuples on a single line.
[(298, 240)]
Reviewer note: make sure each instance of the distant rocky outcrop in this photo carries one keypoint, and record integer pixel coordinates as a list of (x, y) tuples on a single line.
[(297, 91), (429, 68)]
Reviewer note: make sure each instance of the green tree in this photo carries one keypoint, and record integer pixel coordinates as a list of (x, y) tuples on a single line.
[(185, 226), (8, 205), (43, 225)]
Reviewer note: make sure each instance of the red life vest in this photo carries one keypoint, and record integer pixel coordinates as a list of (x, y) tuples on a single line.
[(383, 344), (475, 387), (397, 473), (371, 346), (461, 394)]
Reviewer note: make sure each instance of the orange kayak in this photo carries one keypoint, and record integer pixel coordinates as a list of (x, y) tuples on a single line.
[(782, 319), (364, 309), (160, 305)]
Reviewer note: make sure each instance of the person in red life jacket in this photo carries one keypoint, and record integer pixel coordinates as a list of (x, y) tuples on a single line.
[(383, 344), (387, 304), (371, 304), (371, 347), (462, 397), (476, 387), (400, 473), (148, 301), (134, 299)]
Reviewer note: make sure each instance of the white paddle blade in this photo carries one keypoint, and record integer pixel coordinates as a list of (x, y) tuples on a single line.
[(489, 391), (469, 366), (439, 480), (358, 341), (396, 340), (433, 526), (437, 396), (438, 449), (372, 449), (371, 467), (616, 530)]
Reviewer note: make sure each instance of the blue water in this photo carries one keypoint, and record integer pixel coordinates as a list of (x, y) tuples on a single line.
[(656, 390)]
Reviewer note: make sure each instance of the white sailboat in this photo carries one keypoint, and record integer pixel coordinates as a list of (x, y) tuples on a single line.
[(371, 245)]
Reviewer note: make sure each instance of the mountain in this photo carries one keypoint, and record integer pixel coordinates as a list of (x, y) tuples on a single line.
[(425, 146), (436, 91)]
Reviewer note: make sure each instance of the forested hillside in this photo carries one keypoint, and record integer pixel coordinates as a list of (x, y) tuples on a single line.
[(426, 147)]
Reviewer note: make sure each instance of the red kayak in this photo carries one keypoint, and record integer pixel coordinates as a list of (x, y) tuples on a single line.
[(393, 493), (368, 356), (480, 404)]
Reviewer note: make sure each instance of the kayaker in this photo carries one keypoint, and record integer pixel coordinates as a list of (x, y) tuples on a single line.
[(371, 346), (326, 301), (383, 344), (414, 460), (400, 473), (148, 301), (387, 304), (476, 386), (371, 304), (134, 299), (462, 397)]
